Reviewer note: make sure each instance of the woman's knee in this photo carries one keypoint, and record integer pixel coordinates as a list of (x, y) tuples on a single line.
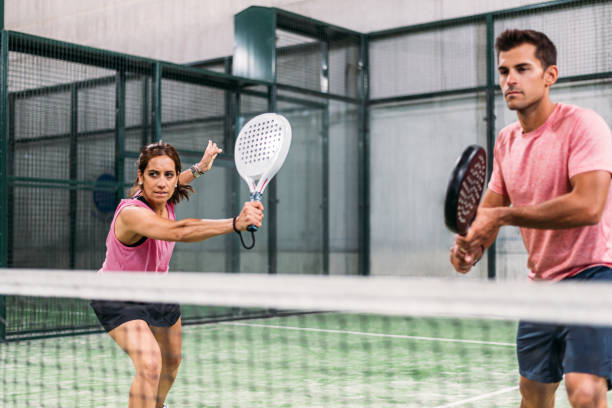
[(171, 362), (149, 366)]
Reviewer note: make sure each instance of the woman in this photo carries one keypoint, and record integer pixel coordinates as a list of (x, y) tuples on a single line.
[(141, 238)]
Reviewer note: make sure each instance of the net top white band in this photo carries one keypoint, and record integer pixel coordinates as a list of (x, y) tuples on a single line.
[(587, 303)]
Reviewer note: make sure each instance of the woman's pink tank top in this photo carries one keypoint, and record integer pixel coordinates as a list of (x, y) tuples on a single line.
[(150, 256)]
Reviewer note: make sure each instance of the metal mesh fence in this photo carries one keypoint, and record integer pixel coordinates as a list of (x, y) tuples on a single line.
[(78, 117), (429, 83), (62, 122), (256, 259), (298, 60), (344, 183), (428, 61), (416, 148), (301, 192), (192, 114), (581, 32), (344, 68), (47, 156)]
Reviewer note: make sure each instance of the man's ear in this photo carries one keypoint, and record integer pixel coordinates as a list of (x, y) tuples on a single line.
[(551, 74)]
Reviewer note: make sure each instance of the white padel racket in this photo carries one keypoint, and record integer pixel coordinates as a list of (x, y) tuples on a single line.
[(259, 152)]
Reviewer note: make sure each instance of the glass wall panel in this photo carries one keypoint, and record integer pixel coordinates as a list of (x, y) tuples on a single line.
[(414, 147)]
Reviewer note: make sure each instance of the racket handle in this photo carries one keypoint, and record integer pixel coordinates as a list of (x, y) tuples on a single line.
[(256, 196)]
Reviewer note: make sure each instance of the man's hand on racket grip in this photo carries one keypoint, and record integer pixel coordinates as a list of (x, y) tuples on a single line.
[(483, 230), (463, 259), (251, 214)]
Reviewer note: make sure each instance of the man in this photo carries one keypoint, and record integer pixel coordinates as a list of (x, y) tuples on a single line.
[(554, 166)]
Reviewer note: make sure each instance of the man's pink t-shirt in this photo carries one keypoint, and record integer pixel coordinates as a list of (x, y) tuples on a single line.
[(151, 256), (530, 168)]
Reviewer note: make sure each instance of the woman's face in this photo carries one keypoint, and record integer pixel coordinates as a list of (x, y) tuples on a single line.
[(158, 180)]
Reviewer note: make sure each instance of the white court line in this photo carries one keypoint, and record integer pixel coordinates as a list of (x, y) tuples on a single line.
[(395, 336), (479, 397)]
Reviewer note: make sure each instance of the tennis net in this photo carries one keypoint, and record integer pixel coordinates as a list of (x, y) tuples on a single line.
[(282, 341)]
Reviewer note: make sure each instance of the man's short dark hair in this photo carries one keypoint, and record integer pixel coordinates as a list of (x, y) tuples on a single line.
[(546, 51)]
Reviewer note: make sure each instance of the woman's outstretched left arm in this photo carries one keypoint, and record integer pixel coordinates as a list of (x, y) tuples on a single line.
[(211, 152)]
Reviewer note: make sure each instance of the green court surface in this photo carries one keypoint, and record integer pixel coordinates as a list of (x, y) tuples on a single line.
[(313, 360)]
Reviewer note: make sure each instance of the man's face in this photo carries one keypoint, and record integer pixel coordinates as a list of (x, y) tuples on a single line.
[(522, 79)]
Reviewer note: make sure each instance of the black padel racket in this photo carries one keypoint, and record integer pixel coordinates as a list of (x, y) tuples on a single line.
[(465, 189)]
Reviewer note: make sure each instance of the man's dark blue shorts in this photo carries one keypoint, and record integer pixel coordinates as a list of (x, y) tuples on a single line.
[(548, 351)]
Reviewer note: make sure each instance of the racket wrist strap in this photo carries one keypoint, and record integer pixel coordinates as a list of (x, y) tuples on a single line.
[(482, 248), (237, 231)]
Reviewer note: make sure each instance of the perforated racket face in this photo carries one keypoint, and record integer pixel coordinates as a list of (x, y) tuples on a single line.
[(261, 148), (465, 189)]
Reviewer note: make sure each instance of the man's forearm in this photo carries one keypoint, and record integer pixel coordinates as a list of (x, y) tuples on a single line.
[(563, 212)]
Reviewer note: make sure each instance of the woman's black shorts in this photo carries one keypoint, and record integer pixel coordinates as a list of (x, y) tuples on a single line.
[(114, 313)]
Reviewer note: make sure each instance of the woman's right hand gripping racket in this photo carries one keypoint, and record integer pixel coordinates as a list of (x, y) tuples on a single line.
[(260, 151), (465, 189)]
